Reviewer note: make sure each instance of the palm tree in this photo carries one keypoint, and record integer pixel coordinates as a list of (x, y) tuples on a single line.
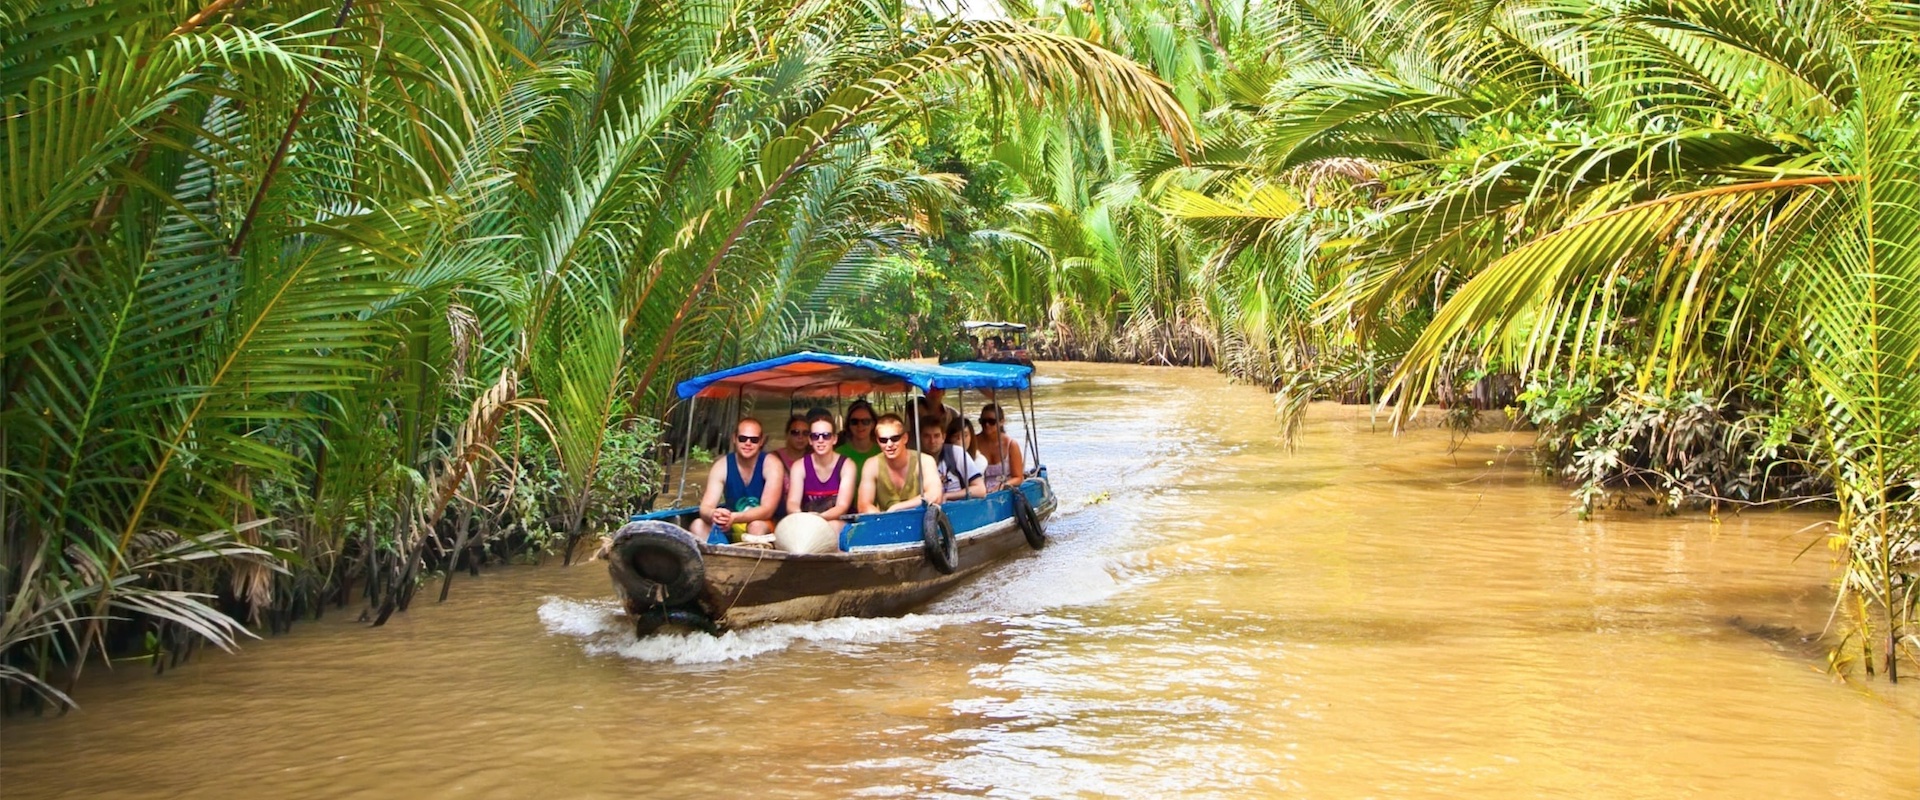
[(1717, 190), (177, 278), (276, 278)]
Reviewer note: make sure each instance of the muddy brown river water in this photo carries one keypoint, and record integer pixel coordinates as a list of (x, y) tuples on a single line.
[(1369, 616)]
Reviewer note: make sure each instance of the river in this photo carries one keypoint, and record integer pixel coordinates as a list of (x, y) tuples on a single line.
[(1370, 615)]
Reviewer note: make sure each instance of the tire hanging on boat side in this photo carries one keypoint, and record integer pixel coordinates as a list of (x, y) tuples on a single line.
[(656, 564), (937, 532), (1028, 520)]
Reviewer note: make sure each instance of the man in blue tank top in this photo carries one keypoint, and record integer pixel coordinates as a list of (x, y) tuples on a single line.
[(743, 489)]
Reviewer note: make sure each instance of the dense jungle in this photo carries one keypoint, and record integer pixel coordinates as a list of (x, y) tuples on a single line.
[(316, 307)]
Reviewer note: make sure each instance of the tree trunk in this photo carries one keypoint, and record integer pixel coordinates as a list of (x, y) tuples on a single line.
[(460, 538)]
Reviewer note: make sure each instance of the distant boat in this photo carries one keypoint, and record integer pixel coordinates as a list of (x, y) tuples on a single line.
[(995, 342), (887, 562)]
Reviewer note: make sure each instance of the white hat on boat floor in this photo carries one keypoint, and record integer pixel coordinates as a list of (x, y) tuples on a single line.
[(806, 533)]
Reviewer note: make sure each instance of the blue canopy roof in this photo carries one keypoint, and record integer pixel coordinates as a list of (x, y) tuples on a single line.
[(1015, 372), (826, 374)]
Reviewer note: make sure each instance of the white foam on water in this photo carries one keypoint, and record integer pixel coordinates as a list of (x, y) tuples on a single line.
[(580, 619), (1029, 586), (606, 631)]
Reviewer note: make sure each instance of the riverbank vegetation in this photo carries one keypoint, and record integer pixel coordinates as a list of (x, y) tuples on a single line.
[(304, 304), (1677, 236), (305, 301)]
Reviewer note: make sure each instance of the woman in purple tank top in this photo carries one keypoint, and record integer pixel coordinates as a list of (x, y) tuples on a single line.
[(822, 482)]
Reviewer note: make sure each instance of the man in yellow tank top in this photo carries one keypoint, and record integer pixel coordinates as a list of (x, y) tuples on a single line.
[(888, 483)]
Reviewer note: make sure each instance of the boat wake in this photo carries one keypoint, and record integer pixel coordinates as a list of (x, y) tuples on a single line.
[(1072, 571), (604, 630), (1031, 585), (1021, 588)]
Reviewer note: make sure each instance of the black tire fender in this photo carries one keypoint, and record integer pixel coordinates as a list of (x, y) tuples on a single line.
[(1028, 520), (656, 563), (936, 531)]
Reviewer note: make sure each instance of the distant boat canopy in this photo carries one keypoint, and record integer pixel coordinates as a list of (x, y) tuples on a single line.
[(826, 374)]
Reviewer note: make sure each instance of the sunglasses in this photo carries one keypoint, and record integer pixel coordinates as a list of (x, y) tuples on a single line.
[(745, 439), (796, 432), (821, 437), (860, 421), (889, 439), (989, 421)]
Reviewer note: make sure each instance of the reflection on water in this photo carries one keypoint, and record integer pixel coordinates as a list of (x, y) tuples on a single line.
[(1370, 615)]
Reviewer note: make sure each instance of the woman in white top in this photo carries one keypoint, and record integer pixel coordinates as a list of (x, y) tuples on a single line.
[(1001, 454)]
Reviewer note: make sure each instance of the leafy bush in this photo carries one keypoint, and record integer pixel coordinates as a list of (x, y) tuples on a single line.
[(1688, 447)]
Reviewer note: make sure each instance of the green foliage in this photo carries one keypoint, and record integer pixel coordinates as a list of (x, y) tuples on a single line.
[(919, 305), (630, 475), (1685, 449), (1689, 224), (275, 278), (1712, 211)]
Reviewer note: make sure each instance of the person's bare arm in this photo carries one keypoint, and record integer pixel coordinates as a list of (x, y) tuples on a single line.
[(710, 509), (930, 484), (797, 485), (867, 472), (1016, 465)]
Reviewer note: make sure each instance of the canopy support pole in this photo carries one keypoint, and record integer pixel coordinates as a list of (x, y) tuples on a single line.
[(686, 454), (913, 413), (1032, 426)]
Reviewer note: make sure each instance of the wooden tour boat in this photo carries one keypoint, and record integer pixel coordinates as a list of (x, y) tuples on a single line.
[(887, 563), (995, 342)]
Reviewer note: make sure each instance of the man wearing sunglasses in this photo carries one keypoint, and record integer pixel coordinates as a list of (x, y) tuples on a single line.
[(743, 489), (901, 477)]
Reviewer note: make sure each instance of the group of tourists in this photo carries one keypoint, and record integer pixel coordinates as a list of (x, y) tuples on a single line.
[(833, 472), (990, 348)]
